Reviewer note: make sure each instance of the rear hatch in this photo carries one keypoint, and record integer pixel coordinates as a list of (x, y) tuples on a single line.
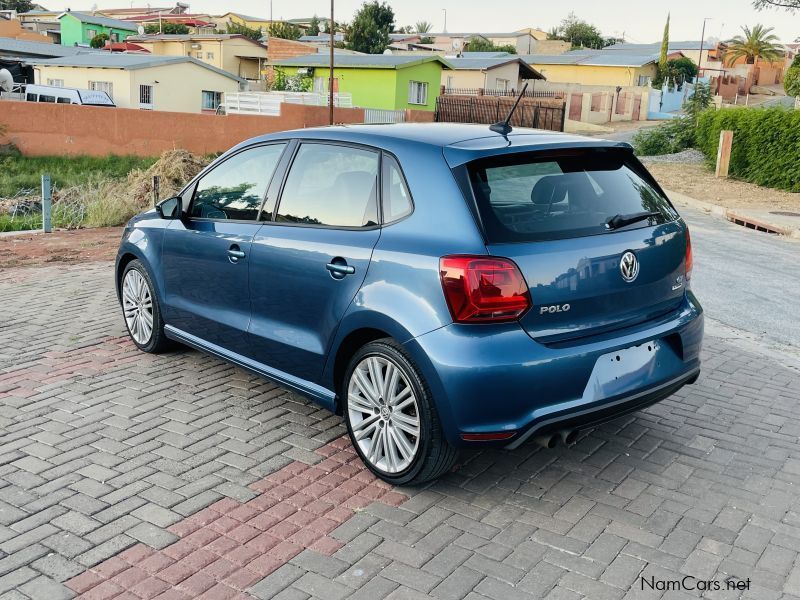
[(598, 243)]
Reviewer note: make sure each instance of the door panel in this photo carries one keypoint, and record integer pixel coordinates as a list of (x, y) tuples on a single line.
[(309, 263), (206, 254), (297, 302), (206, 287)]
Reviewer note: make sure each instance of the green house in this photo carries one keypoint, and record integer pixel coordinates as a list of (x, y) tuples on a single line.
[(374, 80), (79, 28)]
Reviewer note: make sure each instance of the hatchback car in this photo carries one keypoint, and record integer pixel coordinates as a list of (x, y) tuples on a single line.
[(439, 286)]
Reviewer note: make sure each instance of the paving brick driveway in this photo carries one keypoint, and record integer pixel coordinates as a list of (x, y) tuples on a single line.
[(124, 475)]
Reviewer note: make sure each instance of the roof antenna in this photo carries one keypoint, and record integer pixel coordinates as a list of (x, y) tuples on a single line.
[(504, 127)]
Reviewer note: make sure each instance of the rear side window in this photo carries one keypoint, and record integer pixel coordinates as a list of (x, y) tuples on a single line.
[(396, 198), (532, 197), (331, 185), (235, 188)]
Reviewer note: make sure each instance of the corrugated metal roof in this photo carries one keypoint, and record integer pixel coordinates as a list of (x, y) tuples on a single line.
[(14, 47), (484, 54), (322, 37), (373, 61), (599, 58), (125, 62), (656, 46), (99, 20), (490, 63)]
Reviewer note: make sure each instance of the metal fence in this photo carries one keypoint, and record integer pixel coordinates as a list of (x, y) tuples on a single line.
[(532, 93), (376, 116), (476, 109), (269, 103)]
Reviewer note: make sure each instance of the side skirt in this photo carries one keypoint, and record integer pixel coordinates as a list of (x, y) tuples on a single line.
[(317, 393)]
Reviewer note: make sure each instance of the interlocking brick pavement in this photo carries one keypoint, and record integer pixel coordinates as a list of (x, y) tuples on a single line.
[(127, 475)]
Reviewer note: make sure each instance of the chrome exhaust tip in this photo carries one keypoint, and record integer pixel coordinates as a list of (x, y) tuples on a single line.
[(568, 436), (549, 441)]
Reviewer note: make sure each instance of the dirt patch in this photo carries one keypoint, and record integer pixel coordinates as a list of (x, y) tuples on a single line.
[(59, 247), (699, 182)]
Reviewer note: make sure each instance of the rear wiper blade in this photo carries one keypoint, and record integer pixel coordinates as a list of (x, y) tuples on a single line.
[(618, 221)]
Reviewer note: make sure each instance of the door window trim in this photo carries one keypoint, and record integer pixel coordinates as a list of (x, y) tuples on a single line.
[(379, 199), (192, 185)]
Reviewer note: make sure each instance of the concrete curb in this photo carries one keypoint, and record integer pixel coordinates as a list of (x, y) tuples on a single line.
[(737, 216)]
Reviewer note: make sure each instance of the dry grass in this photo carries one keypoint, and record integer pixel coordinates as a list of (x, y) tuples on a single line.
[(110, 202)]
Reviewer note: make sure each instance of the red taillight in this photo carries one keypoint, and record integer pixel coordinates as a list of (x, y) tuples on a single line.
[(688, 261), (481, 289)]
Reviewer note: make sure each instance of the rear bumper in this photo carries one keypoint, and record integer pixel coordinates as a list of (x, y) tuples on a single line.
[(606, 410), (495, 379)]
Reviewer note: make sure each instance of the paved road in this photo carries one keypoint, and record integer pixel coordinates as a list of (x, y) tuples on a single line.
[(124, 475), (746, 279)]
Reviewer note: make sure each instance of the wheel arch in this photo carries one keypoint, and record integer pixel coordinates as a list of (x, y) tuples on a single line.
[(345, 351)]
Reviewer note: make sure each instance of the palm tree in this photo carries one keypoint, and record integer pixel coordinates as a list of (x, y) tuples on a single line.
[(756, 43), (423, 27)]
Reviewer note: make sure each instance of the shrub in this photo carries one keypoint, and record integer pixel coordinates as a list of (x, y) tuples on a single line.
[(791, 81), (766, 144)]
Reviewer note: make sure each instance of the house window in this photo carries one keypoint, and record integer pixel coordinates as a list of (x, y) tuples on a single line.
[(211, 100), (417, 92), (209, 56), (146, 97), (56, 82), (502, 84), (114, 37), (102, 86), (644, 79), (199, 56), (90, 33)]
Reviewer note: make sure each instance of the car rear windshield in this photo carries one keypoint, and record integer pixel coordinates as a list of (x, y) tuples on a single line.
[(531, 196)]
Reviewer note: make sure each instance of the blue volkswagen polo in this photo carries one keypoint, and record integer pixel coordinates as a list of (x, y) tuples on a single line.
[(437, 285)]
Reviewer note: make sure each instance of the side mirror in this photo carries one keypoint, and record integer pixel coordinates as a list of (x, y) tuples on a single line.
[(170, 208)]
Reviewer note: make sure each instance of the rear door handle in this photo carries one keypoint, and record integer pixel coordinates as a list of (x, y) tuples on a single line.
[(339, 270)]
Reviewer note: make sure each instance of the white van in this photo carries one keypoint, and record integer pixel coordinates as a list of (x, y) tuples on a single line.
[(63, 95)]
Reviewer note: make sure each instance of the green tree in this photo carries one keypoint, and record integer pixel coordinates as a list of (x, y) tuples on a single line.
[(791, 80), (580, 33), (240, 29), (423, 27), (99, 40), (21, 6), (313, 26), (662, 59), (369, 31), (698, 101), (756, 43), (168, 28), (681, 70), (476, 44), (284, 31)]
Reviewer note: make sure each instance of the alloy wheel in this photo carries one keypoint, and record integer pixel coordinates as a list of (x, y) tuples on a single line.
[(384, 414), (137, 305)]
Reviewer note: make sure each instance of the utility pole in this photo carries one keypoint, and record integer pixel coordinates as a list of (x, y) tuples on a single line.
[(332, 30), (702, 41)]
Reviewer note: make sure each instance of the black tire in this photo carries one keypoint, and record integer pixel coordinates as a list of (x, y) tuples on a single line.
[(434, 456), (158, 341)]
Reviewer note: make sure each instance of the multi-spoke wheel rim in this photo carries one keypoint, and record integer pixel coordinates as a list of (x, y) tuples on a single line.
[(384, 414), (137, 304)]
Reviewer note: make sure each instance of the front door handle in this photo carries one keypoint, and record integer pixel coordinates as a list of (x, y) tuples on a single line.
[(338, 270), (235, 254)]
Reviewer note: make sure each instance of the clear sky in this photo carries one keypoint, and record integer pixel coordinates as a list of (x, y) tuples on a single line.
[(640, 20)]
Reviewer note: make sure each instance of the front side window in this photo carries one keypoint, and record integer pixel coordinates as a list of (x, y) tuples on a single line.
[(235, 188), (396, 199), (331, 185), (530, 197), (417, 92), (210, 100)]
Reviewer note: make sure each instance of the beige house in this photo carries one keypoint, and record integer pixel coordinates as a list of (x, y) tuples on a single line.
[(142, 81), (235, 54), (500, 74)]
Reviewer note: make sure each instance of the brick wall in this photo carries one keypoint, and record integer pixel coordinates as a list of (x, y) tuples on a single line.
[(52, 129), (279, 49)]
